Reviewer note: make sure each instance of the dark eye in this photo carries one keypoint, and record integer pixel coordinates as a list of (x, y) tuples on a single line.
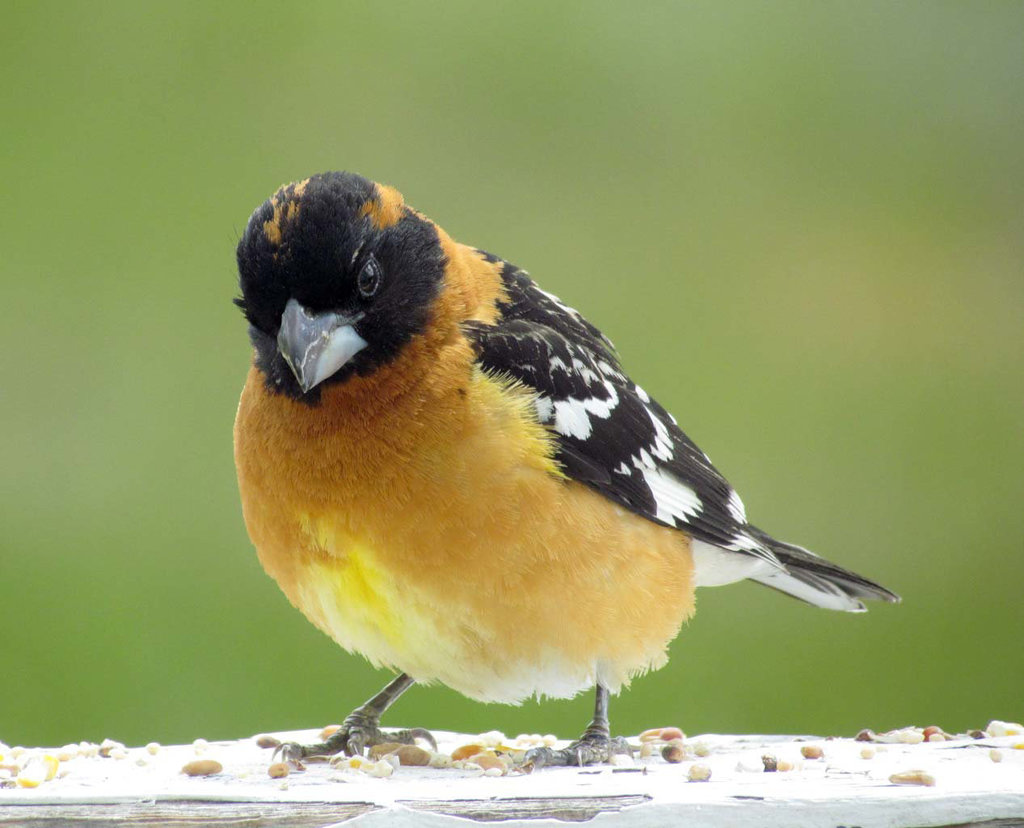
[(369, 277)]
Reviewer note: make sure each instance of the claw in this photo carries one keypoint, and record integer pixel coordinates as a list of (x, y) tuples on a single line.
[(291, 752), (591, 749), (352, 740), (410, 736)]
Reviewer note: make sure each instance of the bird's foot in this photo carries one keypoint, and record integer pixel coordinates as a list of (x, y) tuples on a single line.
[(358, 732), (590, 749)]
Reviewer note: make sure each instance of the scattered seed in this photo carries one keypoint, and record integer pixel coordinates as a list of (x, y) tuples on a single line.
[(698, 773), (440, 760), (328, 732), (621, 760), (977, 734), (107, 745), (493, 738), (381, 769), (494, 772), (865, 735), (673, 752), (995, 755), (488, 761), (202, 767), (412, 755), (811, 752), (646, 750), (701, 749), (466, 751), (998, 728), (32, 775), (153, 748), (867, 753), (383, 749), (783, 766), (278, 770), (118, 753), (911, 736), (913, 777), (549, 740), (199, 746), (263, 741)]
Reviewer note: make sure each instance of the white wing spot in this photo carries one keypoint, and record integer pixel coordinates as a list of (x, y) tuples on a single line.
[(736, 507), (572, 415), (673, 499)]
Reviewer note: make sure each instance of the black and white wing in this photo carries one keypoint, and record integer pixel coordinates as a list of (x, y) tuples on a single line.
[(614, 438)]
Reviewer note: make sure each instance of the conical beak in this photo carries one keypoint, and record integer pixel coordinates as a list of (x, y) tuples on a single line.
[(316, 345)]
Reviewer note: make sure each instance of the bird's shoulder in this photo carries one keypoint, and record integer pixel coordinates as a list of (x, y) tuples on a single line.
[(610, 434)]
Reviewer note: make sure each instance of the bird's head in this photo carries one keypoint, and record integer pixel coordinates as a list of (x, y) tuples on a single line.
[(337, 276)]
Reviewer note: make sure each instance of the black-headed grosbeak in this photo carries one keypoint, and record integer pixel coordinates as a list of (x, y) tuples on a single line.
[(447, 469)]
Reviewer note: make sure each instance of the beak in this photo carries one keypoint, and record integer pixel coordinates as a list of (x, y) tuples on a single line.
[(316, 345)]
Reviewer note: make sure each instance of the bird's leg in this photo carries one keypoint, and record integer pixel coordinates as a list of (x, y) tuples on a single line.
[(361, 729), (595, 745)]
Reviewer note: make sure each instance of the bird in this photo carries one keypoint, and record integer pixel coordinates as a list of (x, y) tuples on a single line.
[(447, 470)]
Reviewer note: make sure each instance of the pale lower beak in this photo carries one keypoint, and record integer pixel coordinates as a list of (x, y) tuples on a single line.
[(317, 345)]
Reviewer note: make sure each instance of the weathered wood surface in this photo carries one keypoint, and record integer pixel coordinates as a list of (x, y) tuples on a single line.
[(841, 788)]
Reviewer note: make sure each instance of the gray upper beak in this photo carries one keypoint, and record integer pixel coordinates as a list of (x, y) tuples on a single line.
[(316, 345)]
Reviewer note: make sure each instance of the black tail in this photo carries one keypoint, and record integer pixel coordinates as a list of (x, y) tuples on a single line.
[(817, 581)]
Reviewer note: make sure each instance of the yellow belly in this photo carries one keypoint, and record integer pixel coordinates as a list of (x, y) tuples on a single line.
[(461, 556)]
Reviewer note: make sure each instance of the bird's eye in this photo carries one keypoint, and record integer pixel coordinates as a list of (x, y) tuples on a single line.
[(370, 277)]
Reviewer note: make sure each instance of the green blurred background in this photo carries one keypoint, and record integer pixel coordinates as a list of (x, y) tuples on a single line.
[(801, 223)]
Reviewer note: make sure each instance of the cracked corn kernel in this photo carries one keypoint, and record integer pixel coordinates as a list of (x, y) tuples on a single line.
[(278, 770), (381, 769), (811, 752), (466, 751), (37, 770), (488, 761)]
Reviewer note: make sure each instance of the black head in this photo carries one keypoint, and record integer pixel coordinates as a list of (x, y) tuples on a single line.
[(337, 275)]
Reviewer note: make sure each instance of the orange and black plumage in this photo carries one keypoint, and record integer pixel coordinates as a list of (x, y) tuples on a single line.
[(448, 470)]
